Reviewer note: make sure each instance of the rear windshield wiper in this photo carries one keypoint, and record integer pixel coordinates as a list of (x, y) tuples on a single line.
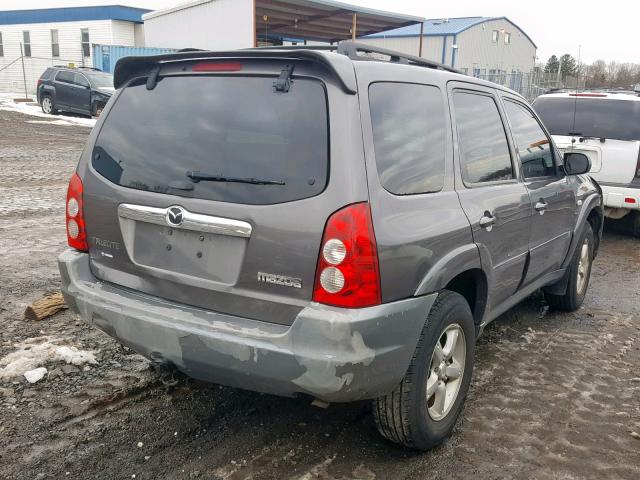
[(206, 177)]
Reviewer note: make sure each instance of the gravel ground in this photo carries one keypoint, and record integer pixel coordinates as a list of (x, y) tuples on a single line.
[(553, 395)]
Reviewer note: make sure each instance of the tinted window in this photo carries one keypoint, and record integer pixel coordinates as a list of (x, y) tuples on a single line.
[(484, 151), (80, 79), (593, 117), (408, 136), (47, 74), (65, 76), (100, 80), (233, 127), (532, 143)]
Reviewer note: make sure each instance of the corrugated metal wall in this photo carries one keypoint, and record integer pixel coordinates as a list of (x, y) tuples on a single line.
[(106, 56), (476, 49)]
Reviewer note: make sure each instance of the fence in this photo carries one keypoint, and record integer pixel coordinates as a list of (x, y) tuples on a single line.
[(531, 85), (20, 75)]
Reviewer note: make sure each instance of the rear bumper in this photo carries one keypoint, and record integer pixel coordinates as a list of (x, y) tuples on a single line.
[(333, 354), (618, 196)]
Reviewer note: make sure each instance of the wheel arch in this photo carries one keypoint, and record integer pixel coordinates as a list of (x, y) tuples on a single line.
[(459, 271)]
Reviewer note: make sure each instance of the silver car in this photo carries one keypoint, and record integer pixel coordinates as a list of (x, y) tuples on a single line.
[(320, 222)]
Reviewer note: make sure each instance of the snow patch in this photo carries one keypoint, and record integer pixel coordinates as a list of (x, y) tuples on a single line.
[(34, 110), (35, 375), (38, 351)]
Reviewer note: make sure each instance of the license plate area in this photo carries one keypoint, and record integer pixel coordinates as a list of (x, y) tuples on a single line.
[(197, 254)]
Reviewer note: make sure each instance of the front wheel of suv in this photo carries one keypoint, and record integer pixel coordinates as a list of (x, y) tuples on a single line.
[(579, 275), (48, 106), (422, 410)]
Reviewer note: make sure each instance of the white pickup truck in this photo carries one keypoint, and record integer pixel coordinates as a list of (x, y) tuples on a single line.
[(606, 128)]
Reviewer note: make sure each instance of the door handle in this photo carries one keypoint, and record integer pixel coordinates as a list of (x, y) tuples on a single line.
[(487, 221), (541, 206)]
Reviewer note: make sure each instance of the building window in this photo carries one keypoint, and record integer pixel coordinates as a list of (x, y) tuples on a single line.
[(26, 43), (55, 45), (495, 36), (507, 38), (1, 46), (86, 48)]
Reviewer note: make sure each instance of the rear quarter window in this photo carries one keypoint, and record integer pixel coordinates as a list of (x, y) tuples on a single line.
[(234, 127), (408, 126)]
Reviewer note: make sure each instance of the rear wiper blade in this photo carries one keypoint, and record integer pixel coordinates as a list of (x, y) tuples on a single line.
[(207, 177)]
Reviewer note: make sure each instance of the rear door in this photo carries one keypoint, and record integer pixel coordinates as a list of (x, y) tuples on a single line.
[(552, 195), (81, 93), (495, 201), (63, 82), (162, 219)]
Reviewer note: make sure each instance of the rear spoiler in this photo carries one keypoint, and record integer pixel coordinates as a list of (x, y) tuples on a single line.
[(341, 66)]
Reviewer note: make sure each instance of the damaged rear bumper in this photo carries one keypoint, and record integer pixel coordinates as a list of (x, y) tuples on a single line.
[(333, 354)]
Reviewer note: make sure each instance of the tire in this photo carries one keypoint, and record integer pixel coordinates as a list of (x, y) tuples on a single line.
[(635, 224), (48, 106), (579, 275), (409, 416)]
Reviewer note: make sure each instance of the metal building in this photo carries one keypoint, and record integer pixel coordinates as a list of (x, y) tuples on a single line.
[(32, 40), (480, 46), (231, 24)]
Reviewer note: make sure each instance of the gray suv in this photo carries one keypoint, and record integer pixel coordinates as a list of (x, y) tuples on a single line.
[(340, 224)]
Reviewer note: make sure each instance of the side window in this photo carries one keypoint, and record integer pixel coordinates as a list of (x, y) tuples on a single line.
[(484, 150), (81, 80), (55, 44), (534, 147), (26, 43), (409, 127), (64, 76), (86, 46)]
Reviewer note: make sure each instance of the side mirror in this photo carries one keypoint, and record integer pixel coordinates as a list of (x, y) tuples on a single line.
[(576, 163)]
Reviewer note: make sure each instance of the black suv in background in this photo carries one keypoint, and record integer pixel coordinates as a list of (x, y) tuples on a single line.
[(78, 90)]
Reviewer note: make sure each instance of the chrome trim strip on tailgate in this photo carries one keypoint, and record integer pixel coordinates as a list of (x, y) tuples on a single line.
[(190, 221)]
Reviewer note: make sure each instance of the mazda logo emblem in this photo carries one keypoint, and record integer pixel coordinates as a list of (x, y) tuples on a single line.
[(175, 216)]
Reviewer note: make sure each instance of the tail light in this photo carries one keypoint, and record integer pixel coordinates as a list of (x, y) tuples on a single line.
[(347, 273), (76, 231), (40, 81), (217, 67)]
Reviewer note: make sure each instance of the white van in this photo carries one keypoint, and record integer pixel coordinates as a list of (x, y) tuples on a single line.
[(606, 128)]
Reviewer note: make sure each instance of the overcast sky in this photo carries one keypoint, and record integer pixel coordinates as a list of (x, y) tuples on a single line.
[(607, 30)]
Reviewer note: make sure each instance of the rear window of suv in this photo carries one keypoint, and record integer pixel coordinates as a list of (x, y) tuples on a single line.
[(590, 117), (408, 122), (233, 127)]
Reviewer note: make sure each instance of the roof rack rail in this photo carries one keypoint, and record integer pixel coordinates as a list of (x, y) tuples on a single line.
[(351, 49), (78, 67)]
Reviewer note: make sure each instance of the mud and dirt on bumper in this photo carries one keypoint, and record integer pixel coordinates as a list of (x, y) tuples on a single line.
[(333, 354)]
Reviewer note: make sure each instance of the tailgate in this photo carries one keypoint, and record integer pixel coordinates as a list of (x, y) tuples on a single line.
[(213, 190)]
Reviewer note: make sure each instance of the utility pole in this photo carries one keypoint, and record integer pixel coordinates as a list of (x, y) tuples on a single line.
[(559, 72), (24, 75)]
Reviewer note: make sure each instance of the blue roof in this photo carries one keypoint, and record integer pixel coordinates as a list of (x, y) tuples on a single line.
[(72, 14), (437, 27)]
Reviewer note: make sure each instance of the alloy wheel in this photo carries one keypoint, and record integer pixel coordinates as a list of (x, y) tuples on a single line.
[(584, 265), (446, 371), (46, 105)]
